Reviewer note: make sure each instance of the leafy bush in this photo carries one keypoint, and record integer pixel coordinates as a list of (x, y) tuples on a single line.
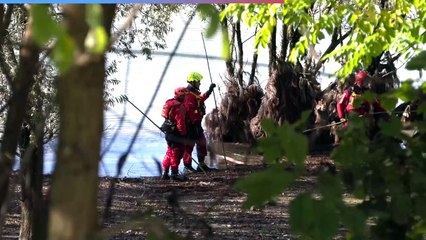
[(387, 177)]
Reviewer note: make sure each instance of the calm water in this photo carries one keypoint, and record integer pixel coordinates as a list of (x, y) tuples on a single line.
[(148, 148)]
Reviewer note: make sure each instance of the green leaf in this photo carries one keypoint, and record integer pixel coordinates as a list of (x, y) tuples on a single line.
[(94, 15), (356, 221), (352, 149), (270, 149), (388, 102), (313, 218), (225, 44), (330, 188), (264, 185), (391, 128), (421, 109), (301, 214), (268, 125), (326, 220), (295, 145), (401, 208), (96, 40), (418, 62), (210, 12), (406, 92), (44, 28), (63, 53)]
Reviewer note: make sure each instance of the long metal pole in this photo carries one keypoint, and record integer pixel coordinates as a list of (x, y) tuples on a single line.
[(143, 113), (214, 97)]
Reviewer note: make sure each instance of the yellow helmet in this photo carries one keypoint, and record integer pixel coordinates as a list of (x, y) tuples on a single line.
[(194, 77)]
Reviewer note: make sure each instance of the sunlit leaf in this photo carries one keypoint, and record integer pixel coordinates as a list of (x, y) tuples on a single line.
[(96, 40), (44, 28), (225, 44)]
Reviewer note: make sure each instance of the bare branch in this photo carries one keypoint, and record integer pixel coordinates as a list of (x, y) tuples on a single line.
[(335, 41), (130, 18)]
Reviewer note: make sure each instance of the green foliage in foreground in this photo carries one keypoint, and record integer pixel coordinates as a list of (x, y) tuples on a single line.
[(47, 30), (387, 179)]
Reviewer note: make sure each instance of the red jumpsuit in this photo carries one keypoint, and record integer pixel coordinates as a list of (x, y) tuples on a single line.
[(195, 110), (175, 148), (346, 105)]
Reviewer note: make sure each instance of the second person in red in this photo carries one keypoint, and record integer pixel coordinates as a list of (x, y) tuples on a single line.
[(195, 111), (175, 130)]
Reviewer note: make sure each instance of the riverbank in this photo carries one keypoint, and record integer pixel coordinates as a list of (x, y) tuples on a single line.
[(205, 207)]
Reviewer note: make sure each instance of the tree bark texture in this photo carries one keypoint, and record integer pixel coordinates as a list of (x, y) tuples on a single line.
[(21, 86), (73, 213)]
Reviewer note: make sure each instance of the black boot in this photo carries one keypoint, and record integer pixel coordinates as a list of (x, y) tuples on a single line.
[(202, 167), (175, 176), (189, 168), (165, 175)]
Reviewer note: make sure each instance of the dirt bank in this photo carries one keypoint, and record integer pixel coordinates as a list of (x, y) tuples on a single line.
[(205, 207)]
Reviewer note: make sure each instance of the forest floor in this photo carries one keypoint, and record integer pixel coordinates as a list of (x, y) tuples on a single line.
[(205, 207)]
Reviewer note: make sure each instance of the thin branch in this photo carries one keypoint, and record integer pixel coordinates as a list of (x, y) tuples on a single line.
[(335, 41), (127, 23)]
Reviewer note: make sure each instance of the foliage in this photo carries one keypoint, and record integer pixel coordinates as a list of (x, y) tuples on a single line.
[(209, 12), (398, 26), (386, 178), (152, 23), (49, 32), (262, 15), (377, 171), (46, 29)]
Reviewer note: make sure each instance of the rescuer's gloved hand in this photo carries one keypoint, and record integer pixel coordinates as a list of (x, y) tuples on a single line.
[(342, 120), (212, 86)]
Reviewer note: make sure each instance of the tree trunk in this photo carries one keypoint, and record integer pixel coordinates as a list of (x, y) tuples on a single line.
[(33, 205), (33, 214), (20, 88), (253, 69), (284, 44), (273, 51), (73, 213), (240, 57), (25, 231)]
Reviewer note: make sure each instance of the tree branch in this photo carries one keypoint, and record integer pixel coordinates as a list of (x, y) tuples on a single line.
[(335, 41)]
